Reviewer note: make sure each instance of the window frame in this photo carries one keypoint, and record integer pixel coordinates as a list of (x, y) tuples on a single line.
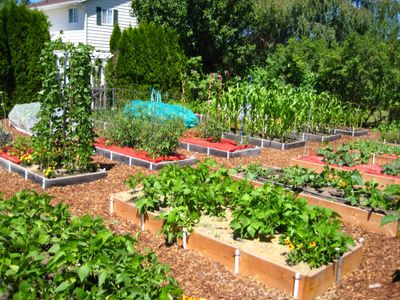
[(107, 16), (74, 15)]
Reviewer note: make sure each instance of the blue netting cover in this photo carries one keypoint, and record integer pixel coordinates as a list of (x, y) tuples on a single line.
[(159, 109)]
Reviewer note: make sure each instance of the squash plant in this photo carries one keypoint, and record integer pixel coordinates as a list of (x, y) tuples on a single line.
[(63, 137)]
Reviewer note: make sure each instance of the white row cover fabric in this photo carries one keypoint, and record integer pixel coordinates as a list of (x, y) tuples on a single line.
[(24, 116)]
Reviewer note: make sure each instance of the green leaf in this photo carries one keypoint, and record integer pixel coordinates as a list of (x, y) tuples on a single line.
[(83, 271)]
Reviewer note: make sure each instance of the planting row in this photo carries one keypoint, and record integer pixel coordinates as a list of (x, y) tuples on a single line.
[(269, 225), (275, 110), (344, 187)]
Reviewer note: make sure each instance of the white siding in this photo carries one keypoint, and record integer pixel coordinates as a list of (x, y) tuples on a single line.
[(60, 26), (99, 35)]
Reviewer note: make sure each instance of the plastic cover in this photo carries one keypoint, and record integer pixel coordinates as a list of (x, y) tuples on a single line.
[(24, 116)]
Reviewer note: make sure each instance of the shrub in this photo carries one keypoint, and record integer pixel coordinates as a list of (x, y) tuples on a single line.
[(149, 56)]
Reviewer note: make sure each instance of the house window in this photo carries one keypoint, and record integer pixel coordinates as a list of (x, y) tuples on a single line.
[(107, 16), (73, 15)]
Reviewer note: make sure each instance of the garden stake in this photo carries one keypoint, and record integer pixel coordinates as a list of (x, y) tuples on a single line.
[(142, 222), (245, 107), (339, 270), (237, 258), (184, 238), (111, 204), (308, 127), (296, 286)]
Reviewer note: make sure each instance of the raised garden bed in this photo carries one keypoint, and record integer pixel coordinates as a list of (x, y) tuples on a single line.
[(129, 156), (33, 174), (225, 148), (368, 172), (364, 218), (351, 132), (265, 143), (301, 285)]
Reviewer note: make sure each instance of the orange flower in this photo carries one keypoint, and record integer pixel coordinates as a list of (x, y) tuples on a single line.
[(313, 244), (344, 183)]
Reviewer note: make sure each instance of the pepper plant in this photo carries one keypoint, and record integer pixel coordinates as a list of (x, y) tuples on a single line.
[(63, 137)]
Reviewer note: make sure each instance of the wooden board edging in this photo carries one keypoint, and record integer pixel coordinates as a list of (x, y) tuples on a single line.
[(348, 214), (263, 269), (382, 180)]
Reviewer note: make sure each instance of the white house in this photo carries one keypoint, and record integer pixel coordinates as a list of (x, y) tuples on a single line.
[(86, 21)]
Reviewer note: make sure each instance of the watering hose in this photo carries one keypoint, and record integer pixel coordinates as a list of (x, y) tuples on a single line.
[(250, 78)]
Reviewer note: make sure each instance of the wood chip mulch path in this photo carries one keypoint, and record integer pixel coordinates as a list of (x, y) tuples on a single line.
[(201, 277)]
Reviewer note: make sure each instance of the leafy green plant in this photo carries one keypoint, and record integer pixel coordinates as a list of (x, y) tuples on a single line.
[(212, 129), (5, 137), (47, 254), (182, 195), (63, 136), (392, 168), (158, 136)]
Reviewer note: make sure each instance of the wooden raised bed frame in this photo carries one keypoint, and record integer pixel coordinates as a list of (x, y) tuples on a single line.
[(381, 179), (348, 214), (270, 273)]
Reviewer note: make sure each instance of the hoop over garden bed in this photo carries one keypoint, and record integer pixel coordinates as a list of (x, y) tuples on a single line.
[(130, 156), (300, 285), (12, 164), (264, 143), (368, 172), (225, 148)]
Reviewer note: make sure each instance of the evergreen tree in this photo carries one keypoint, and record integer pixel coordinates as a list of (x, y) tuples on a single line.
[(149, 56), (23, 33)]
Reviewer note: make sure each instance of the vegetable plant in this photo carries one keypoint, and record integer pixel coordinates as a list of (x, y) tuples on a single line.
[(63, 136), (182, 195), (47, 254)]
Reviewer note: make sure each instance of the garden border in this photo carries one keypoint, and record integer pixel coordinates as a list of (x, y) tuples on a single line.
[(353, 133), (130, 160), (348, 214), (318, 137), (49, 182), (220, 153), (285, 278), (263, 143), (381, 179)]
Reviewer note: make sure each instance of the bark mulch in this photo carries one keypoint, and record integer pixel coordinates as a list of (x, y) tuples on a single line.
[(201, 277)]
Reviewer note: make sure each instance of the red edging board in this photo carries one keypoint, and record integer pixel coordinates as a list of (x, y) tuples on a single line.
[(223, 144), (141, 154), (368, 172)]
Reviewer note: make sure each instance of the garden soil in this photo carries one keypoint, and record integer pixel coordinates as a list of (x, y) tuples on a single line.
[(201, 277)]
